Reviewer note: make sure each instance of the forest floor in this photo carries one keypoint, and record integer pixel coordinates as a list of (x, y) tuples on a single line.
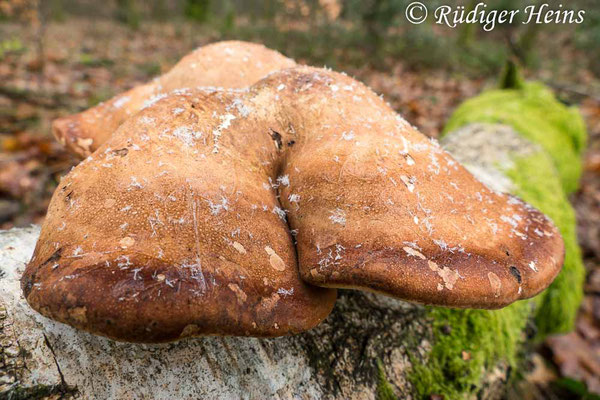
[(86, 62)]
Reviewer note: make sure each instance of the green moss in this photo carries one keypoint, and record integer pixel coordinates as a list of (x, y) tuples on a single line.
[(483, 337), (534, 112), (537, 183), (384, 389)]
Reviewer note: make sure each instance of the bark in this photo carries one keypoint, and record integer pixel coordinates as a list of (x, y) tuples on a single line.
[(366, 339)]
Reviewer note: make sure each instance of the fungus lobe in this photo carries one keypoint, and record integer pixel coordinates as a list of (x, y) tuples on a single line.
[(385, 211)]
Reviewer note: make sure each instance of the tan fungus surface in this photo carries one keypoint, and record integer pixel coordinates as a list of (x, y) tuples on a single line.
[(182, 223), (226, 64)]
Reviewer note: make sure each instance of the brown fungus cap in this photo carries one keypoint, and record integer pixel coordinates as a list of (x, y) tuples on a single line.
[(171, 229), (182, 223), (227, 64)]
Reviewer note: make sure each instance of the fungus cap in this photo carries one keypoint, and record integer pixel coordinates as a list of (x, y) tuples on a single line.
[(210, 199), (226, 64)]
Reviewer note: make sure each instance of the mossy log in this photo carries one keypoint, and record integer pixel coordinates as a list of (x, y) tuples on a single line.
[(534, 112), (371, 346)]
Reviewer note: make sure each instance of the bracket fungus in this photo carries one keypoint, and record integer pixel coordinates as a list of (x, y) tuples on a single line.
[(226, 64), (208, 221)]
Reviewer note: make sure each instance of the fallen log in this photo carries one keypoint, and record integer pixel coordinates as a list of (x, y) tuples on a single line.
[(371, 346)]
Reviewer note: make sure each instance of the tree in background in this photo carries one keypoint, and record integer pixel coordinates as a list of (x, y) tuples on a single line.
[(197, 10), (128, 13), (377, 17)]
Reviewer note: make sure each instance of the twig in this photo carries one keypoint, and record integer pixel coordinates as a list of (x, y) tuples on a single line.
[(574, 90), (37, 98)]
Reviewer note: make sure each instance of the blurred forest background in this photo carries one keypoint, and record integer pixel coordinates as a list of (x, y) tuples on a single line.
[(62, 56)]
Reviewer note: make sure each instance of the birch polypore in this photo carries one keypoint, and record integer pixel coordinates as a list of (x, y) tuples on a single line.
[(201, 213)]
